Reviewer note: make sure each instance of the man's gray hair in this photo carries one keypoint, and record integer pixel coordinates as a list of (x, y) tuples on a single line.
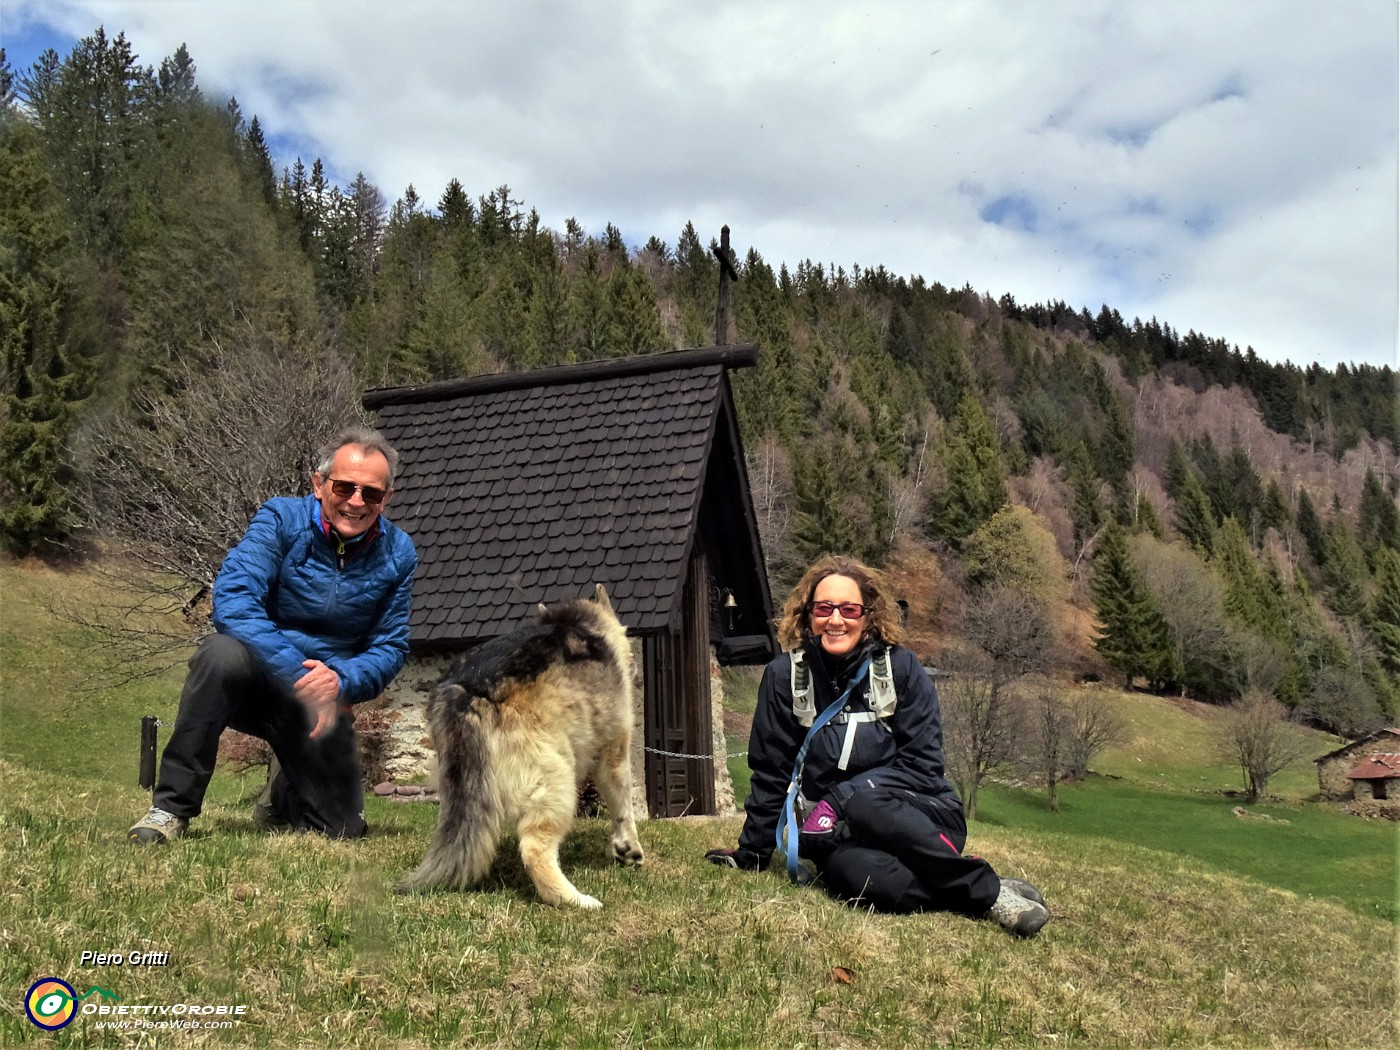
[(366, 440)]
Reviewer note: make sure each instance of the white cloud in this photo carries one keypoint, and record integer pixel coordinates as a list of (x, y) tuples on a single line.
[(1195, 160)]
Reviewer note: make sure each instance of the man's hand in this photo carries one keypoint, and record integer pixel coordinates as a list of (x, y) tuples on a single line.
[(319, 691), (736, 858)]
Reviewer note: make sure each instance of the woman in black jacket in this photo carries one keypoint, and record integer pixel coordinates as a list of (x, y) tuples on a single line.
[(879, 824)]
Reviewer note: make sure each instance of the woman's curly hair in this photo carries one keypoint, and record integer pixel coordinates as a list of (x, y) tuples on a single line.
[(882, 615)]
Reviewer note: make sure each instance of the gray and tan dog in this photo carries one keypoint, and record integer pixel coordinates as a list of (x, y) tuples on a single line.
[(519, 723)]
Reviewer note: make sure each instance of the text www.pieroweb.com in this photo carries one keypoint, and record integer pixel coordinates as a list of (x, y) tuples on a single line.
[(186, 1016), (145, 1024)]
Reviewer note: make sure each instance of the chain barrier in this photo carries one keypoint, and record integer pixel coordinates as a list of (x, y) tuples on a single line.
[(697, 758)]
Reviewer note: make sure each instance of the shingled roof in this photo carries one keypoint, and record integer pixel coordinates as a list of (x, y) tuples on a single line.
[(530, 487)]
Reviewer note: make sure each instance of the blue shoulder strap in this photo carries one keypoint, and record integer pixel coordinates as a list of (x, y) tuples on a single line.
[(787, 820)]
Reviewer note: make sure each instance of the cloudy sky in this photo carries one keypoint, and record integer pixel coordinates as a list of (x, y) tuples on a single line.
[(1226, 166)]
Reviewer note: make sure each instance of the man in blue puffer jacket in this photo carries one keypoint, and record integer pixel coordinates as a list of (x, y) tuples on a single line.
[(311, 613)]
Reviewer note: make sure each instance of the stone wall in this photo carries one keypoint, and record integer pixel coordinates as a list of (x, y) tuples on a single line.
[(1332, 782), (724, 784)]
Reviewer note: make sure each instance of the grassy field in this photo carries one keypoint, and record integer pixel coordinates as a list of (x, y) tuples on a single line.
[(1176, 922)]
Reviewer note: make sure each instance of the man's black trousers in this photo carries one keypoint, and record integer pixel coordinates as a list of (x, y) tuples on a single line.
[(904, 854), (318, 787)]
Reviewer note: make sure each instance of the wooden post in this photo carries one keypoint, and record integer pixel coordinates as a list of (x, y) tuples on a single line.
[(148, 751), (727, 276)]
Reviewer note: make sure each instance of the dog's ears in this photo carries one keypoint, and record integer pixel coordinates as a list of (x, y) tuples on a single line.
[(600, 595)]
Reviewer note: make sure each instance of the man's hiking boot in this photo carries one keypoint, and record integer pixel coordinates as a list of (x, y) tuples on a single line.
[(1015, 913), (1023, 889), (157, 826)]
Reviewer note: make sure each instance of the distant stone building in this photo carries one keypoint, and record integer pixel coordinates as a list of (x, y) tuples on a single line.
[(1364, 770)]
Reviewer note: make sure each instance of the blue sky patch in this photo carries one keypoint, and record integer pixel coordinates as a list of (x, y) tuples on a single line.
[(24, 45), (1015, 211)]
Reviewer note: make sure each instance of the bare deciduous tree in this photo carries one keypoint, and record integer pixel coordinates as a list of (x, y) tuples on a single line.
[(1048, 740), (979, 729), (771, 487), (1013, 627), (173, 483), (1094, 726), (1257, 736)]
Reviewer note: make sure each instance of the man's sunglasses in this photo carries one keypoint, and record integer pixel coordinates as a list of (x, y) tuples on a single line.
[(849, 610), (369, 493)]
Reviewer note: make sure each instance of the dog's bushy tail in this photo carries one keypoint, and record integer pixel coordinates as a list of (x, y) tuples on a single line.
[(469, 805)]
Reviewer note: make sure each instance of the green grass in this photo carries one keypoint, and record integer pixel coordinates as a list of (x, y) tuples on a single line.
[(1175, 921), (1309, 850)]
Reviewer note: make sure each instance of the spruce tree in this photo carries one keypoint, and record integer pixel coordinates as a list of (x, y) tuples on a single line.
[(1146, 519), (1086, 505), (1242, 484), (1378, 519), (1344, 574), (1132, 636), (1383, 615), (1310, 528), (588, 307), (1273, 512), (45, 372), (633, 321), (974, 480), (1175, 471), (823, 522), (1194, 519)]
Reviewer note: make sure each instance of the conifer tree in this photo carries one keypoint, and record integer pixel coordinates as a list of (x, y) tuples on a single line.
[(1378, 518), (1383, 616), (1175, 471), (45, 372), (1344, 573), (1310, 528), (547, 322), (823, 520), (1273, 511), (1241, 484), (1212, 475), (695, 288), (93, 111), (1132, 637), (633, 322), (503, 322), (1249, 599), (1086, 503), (1146, 519), (974, 481), (588, 307), (8, 93), (1194, 520), (261, 161), (1115, 444), (769, 398)]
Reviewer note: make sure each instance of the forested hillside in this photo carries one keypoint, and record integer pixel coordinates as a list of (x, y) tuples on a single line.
[(181, 322)]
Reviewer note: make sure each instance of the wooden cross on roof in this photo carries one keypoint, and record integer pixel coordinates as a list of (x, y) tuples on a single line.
[(727, 276)]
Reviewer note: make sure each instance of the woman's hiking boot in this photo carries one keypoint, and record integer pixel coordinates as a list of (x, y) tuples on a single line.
[(1015, 913)]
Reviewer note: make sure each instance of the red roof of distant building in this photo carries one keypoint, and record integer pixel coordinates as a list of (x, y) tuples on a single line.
[(1354, 744), (1376, 767)]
